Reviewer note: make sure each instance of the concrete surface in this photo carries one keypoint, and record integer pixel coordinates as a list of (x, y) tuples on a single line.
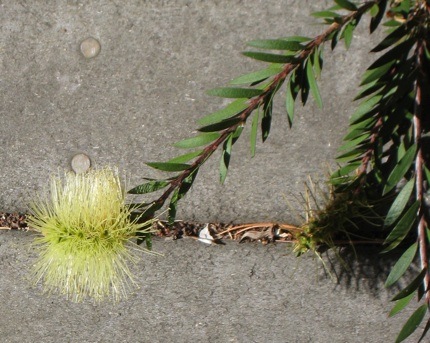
[(197, 293), (144, 91)]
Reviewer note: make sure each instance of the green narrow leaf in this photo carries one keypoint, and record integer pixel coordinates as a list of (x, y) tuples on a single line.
[(225, 158), (400, 231), (187, 183), (266, 121), (326, 14), (392, 23), (373, 10), (400, 169), (289, 104), (400, 203), (179, 193), (292, 90), (276, 44), (401, 150), (412, 324), (230, 110), (334, 8), (392, 38), (365, 108), (359, 128), (403, 85), (428, 234), (370, 88), (272, 58), (171, 214), (346, 5), (317, 62), (355, 142), (186, 157), (398, 52), (203, 139), (237, 133), (371, 75), (232, 92), (149, 187), (313, 83), (354, 134), (401, 265), (147, 237), (147, 214), (402, 7), (376, 19), (341, 182), (256, 76), (226, 154), (170, 167), (348, 34), (334, 40), (304, 84), (365, 125), (427, 173), (222, 125), (412, 287), (401, 304), (350, 156), (427, 53), (254, 130), (345, 170)]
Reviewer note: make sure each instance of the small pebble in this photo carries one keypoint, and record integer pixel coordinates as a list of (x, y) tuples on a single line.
[(90, 47), (80, 163)]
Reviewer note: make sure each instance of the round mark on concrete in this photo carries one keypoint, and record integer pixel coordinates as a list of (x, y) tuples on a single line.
[(90, 47), (80, 163)]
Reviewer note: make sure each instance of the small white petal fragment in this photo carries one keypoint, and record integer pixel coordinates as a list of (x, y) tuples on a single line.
[(90, 47), (80, 163), (205, 236)]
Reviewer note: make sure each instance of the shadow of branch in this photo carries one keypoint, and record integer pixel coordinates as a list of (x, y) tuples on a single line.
[(365, 268)]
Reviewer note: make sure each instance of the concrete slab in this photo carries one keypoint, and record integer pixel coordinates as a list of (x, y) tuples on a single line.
[(126, 105), (198, 293)]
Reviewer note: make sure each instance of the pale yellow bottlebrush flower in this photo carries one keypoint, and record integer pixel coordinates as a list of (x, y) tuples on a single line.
[(85, 241)]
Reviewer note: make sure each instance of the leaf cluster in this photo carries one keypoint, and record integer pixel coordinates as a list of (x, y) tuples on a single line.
[(383, 154)]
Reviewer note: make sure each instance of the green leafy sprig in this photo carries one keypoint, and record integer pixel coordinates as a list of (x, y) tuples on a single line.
[(300, 58)]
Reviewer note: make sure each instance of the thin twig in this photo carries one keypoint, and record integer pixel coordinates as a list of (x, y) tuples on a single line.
[(419, 166), (257, 225)]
